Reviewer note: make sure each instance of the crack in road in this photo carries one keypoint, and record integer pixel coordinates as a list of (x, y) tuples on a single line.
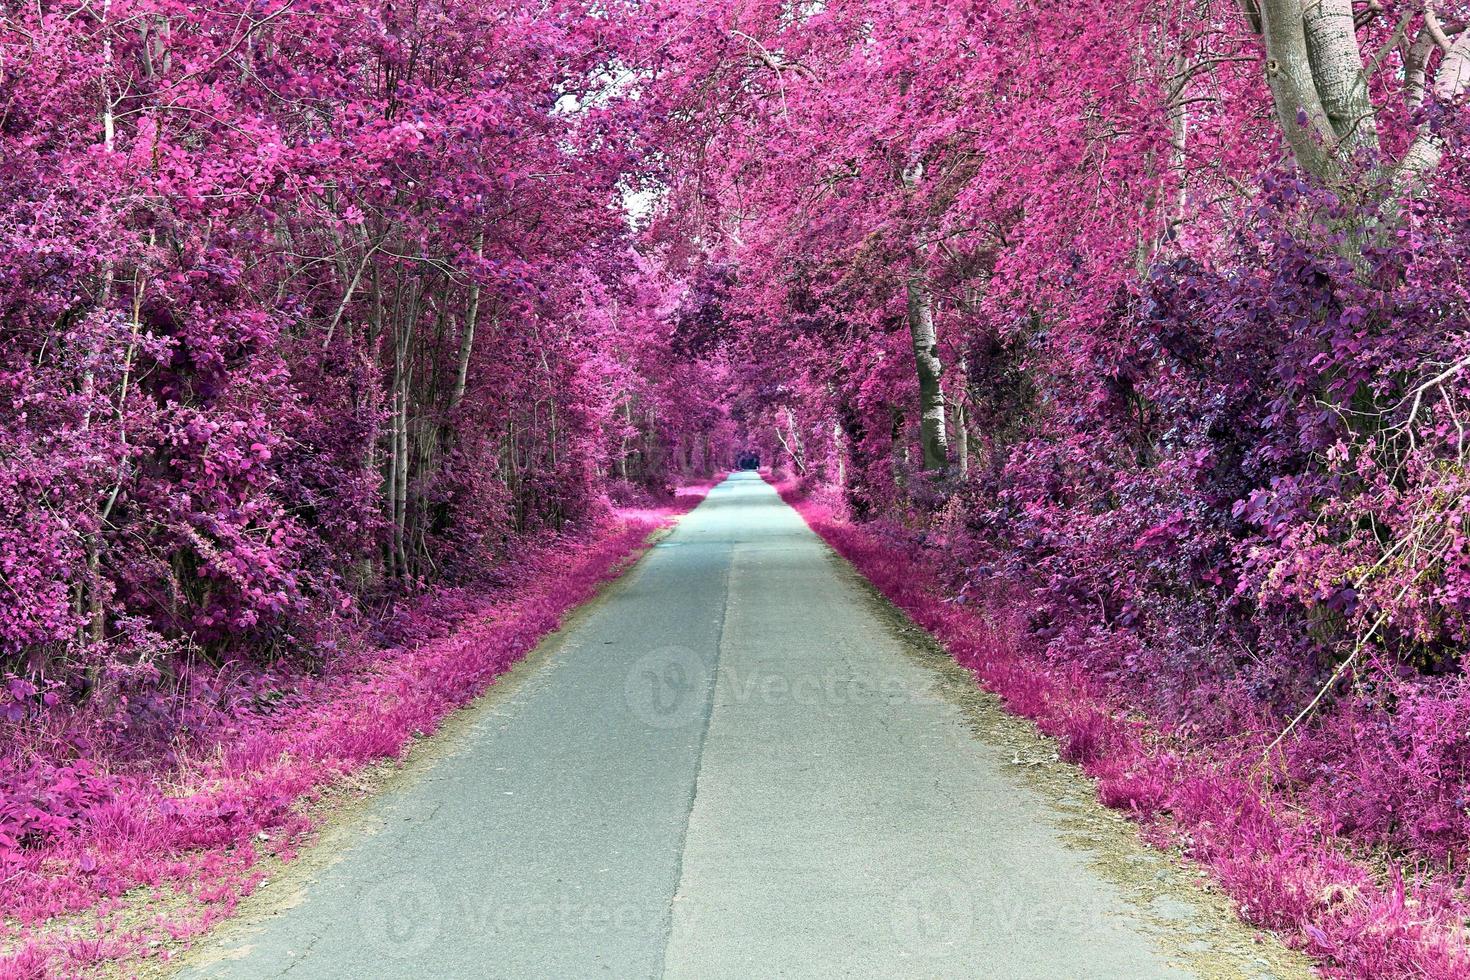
[(711, 695)]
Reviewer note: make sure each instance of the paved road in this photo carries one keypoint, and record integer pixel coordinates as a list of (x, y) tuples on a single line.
[(729, 767)]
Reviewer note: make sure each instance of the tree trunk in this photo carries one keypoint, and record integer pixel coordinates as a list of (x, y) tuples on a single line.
[(1450, 83), (792, 448), (839, 449), (390, 483), (399, 502), (467, 338), (1338, 74), (900, 452), (929, 368), (797, 445), (623, 446), (961, 439), (1299, 109)]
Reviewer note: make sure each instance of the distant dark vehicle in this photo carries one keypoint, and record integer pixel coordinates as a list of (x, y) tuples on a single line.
[(748, 461)]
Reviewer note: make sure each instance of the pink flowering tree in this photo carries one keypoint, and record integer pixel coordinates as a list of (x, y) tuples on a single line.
[(297, 310)]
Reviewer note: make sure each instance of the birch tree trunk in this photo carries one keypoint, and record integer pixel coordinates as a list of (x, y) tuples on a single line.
[(921, 323), (1338, 74), (623, 445), (961, 439), (839, 448), (467, 338), (89, 602), (1450, 83), (398, 501), (1319, 83), (797, 443), (930, 371), (1299, 109)]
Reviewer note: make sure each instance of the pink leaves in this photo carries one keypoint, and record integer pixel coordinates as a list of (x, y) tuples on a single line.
[(1161, 536), (41, 804)]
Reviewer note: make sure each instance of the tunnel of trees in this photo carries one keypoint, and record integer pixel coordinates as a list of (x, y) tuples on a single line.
[(1145, 323)]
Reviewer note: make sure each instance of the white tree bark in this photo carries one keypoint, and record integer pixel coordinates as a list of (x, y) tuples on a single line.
[(1453, 77), (1299, 107), (930, 370), (961, 438), (467, 338), (1338, 74), (1319, 85), (839, 448), (1451, 82)]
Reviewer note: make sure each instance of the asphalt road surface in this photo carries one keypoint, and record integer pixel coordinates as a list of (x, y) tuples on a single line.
[(728, 766)]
